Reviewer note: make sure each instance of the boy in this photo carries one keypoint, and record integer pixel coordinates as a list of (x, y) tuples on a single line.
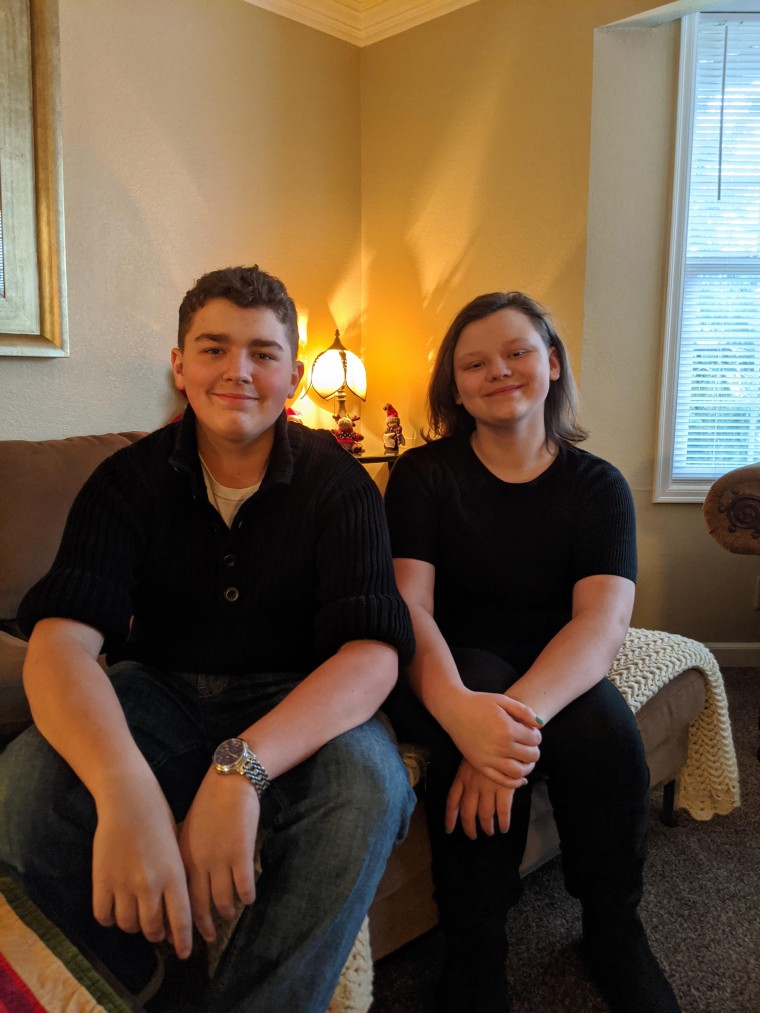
[(236, 570)]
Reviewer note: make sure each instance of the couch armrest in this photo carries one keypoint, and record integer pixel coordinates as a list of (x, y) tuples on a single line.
[(732, 510), (14, 709), (40, 480)]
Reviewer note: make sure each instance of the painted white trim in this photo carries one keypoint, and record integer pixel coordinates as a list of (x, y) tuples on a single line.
[(667, 490), (680, 9), (666, 487), (736, 655), (361, 22)]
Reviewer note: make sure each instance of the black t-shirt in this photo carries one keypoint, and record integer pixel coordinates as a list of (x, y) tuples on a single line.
[(507, 555)]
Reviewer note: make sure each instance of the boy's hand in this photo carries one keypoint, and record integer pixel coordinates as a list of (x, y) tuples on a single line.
[(217, 843), (138, 878)]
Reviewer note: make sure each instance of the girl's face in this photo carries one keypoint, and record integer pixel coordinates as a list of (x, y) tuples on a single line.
[(502, 370)]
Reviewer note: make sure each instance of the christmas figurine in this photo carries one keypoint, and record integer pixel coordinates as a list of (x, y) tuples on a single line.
[(346, 435), (393, 437)]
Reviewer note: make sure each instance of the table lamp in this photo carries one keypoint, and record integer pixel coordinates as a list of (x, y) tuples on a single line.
[(336, 372)]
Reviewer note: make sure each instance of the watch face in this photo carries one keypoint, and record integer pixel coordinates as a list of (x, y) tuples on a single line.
[(229, 754)]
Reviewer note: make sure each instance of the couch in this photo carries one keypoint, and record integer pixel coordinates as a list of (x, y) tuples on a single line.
[(732, 510), (40, 480)]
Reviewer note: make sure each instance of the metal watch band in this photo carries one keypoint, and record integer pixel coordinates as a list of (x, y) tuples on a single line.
[(254, 770)]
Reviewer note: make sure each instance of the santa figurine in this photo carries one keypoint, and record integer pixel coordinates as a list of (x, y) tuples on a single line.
[(393, 437), (346, 435)]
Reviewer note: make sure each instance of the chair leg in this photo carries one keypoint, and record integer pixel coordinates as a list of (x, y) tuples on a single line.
[(668, 816)]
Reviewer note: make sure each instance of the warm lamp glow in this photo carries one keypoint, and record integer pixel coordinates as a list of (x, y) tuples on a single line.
[(303, 321), (337, 371)]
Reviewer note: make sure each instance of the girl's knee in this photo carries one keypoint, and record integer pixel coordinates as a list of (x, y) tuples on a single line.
[(482, 671), (597, 734)]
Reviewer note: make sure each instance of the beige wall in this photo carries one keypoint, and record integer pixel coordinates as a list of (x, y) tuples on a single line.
[(475, 148), (196, 134)]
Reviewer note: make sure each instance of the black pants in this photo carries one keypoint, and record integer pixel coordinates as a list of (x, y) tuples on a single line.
[(598, 781)]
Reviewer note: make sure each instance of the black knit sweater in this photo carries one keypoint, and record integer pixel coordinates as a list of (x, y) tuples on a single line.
[(149, 562), (507, 556)]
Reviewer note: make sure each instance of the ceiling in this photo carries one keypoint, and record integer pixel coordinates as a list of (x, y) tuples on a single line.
[(361, 22)]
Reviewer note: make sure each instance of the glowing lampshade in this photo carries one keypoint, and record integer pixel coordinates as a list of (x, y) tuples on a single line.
[(336, 372)]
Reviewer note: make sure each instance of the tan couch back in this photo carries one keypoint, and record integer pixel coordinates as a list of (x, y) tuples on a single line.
[(38, 483)]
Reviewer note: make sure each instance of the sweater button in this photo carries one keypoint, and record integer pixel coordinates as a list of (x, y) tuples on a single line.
[(229, 560), (232, 594)]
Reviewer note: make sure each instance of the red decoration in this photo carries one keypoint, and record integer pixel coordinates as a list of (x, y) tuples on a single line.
[(393, 437), (346, 435)]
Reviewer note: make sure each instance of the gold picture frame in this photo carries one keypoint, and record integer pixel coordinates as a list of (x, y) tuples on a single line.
[(33, 316)]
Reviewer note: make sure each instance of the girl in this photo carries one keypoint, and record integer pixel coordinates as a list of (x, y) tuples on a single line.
[(516, 554)]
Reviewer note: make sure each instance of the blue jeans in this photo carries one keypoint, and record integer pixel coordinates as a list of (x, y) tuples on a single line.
[(331, 823)]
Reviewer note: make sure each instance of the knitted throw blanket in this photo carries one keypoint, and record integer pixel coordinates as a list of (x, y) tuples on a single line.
[(709, 782), (353, 993)]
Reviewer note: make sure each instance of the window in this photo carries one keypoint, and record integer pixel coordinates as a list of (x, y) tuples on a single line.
[(710, 407)]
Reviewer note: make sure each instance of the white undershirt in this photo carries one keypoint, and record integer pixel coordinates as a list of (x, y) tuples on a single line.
[(225, 500)]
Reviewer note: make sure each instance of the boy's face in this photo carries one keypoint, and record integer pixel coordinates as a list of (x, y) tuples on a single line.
[(237, 369)]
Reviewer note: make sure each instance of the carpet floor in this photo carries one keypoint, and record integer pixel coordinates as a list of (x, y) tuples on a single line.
[(701, 909)]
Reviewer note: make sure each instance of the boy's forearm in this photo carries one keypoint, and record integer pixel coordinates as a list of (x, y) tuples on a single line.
[(341, 694), (76, 709)]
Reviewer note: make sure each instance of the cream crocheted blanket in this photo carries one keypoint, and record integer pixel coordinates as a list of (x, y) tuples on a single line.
[(708, 784)]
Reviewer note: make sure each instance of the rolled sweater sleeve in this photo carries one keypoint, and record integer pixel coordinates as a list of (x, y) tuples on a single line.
[(93, 575), (357, 593)]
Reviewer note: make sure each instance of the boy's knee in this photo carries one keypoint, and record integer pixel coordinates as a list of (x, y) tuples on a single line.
[(43, 805), (19, 814), (372, 783)]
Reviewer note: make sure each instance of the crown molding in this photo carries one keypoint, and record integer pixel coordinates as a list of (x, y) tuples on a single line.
[(361, 22)]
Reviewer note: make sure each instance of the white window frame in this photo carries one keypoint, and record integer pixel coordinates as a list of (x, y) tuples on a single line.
[(666, 487)]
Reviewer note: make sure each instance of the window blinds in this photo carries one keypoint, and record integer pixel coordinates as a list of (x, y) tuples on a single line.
[(717, 410)]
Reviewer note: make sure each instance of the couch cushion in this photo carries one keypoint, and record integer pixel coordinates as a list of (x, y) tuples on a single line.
[(664, 722), (39, 483)]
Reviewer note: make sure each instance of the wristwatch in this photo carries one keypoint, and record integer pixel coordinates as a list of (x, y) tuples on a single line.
[(234, 757)]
